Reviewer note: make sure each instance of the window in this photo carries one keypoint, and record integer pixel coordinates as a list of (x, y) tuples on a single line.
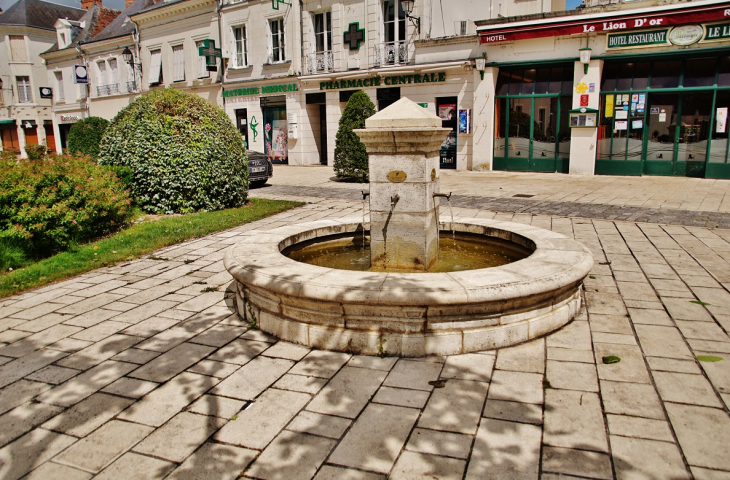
[(323, 32), (60, 96), (240, 57), (17, 48), (24, 95), (201, 59), (155, 67), (394, 27), (113, 72), (101, 78), (276, 44), (178, 63)]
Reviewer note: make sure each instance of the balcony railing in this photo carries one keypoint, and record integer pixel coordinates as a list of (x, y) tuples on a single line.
[(104, 90), (319, 62), (392, 53)]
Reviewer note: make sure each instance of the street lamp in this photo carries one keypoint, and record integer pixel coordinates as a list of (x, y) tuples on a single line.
[(585, 57), (407, 6), (128, 57)]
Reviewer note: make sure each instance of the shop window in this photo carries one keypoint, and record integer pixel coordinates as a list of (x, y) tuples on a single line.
[(155, 67), (503, 82), (17, 48), (556, 80), (276, 41), (723, 76), (625, 75), (240, 55), (24, 92), (641, 75), (665, 74), (700, 72), (608, 79), (542, 79), (528, 82), (514, 86)]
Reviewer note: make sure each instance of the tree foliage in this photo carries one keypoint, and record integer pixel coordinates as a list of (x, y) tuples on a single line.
[(351, 158), (85, 136), (183, 152)]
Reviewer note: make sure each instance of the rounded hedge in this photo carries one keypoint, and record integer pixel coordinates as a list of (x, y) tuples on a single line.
[(85, 135), (351, 158), (184, 153)]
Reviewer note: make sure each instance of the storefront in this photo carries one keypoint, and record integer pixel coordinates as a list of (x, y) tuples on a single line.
[(9, 133), (658, 80)]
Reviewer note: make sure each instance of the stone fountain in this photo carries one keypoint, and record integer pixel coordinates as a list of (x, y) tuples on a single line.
[(397, 307)]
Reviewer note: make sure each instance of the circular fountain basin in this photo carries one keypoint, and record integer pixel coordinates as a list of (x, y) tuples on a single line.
[(408, 314)]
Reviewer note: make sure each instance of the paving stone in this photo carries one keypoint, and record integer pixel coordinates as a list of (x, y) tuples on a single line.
[(414, 465), (253, 378), (102, 447), (23, 418), (413, 374), (348, 392), (362, 361), (218, 335), (52, 374), (650, 317), (505, 450), (575, 335), (213, 368), (455, 408), (570, 355), (83, 385), (605, 304), (214, 461), (56, 471), (401, 397), (375, 440), (30, 451), (570, 376), (130, 387), (87, 415), (686, 388), (574, 420), (517, 387), (323, 425), (121, 306), (682, 309), (292, 456), (150, 293), (513, 411), (240, 351), (39, 324), (618, 324), (320, 363), (636, 399), (329, 472), (69, 345), (90, 304), (137, 467), (36, 312), (217, 406), (172, 337), (637, 427), (470, 366), (10, 336), (98, 352), (659, 341), (640, 458), (709, 346), (301, 383), (261, 422), (526, 357), (136, 355), (579, 463), (440, 443), (149, 327), (172, 362), (179, 437), (38, 340), (145, 311), (19, 393), (700, 473), (19, 368), (631, 368), (201, 302), (91, 318), (701, 330), (163, 403), (673, 365), (100, 331)]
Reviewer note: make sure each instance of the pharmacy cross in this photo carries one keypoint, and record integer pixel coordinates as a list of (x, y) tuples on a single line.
[(354, 35), (209, 51)]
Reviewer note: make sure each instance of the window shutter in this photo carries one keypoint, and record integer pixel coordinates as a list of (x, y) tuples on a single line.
[(60, 95), (202, 70), (113, 72), (155, 66), (178, 61), (17, 48)]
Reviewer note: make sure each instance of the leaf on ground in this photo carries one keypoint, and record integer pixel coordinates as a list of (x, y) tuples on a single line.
[(698, 302), (608, 359), (438, 383), (708, 358)]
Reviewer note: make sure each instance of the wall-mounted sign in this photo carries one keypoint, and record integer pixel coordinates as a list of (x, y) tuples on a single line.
[(81, 74), (717, 32), (583, 118), (686, 34), (46, 92), (353, 36), (244, 92), (209, 51), (584, 100), (68, 118), (397, 176), (390, 80), (638, 39), (465, 121)]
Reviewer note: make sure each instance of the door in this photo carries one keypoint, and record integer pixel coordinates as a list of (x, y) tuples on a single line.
[(10, 139), (661, 133), (31, 135), (276, 142), (50, 138), (446, 109), (242, 124), (323, 134), (694, 131)]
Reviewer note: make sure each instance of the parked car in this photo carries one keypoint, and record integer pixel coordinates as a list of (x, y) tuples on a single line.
[(260, 168)]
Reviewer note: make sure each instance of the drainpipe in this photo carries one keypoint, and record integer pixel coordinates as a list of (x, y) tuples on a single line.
[(87, 87), (301, 36), (220, 42)]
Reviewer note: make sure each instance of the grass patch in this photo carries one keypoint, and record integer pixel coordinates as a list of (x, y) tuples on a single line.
[(136, 241)]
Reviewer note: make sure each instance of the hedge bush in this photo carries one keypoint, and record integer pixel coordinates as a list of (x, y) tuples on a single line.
[(184, 153), (85, 136), (36, 152), (48, 205), (351, 158)]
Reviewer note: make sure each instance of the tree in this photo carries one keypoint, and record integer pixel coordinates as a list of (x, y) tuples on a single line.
[(351, 158), (184, 153), (85, 136)]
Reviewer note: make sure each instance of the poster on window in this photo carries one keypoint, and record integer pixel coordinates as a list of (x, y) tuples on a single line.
[(279, 139), (465, 121), (447, 111), (621, 125), (721, 124)]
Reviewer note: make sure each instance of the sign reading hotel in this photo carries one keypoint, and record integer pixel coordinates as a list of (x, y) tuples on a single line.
[(693, 15), (390, 80), (242, 92)]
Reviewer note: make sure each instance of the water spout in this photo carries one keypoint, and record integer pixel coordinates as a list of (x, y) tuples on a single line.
[(393, 200)]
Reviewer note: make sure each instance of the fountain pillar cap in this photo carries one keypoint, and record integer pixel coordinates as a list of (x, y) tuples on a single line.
[(403, 114)]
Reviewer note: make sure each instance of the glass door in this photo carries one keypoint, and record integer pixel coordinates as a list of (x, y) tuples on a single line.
[(694, 130), (542, 153), (661, 131), (446, 108), (276, 134)]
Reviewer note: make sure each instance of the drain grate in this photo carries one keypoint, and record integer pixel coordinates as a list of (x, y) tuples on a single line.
[(523, 195)]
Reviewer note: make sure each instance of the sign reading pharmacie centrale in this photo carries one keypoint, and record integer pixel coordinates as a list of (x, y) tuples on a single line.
[(413, 78)]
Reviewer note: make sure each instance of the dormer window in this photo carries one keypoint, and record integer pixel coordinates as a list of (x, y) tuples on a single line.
[(64, 40)]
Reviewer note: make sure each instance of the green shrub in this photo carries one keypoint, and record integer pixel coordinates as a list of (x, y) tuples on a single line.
[(184, 153), (351, 158), (85, 136), (36, 152), (47, 206), (12, 256), (124, 174)]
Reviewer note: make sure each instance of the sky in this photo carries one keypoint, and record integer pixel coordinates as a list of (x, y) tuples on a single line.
[(118, 4), (571, 4)]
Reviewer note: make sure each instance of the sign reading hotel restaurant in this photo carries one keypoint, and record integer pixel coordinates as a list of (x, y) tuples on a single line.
[(678, 16), (638, 39), (390, 80), (242, 92)]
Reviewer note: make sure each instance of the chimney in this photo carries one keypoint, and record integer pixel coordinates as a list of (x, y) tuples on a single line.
[(87, 4), (127, 3)]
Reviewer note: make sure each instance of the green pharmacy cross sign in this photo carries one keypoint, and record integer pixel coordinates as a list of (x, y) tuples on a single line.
[(354, 35), (275, 4), (210, 53)]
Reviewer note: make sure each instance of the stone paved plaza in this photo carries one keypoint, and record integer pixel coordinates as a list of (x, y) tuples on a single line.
[(141, 371)]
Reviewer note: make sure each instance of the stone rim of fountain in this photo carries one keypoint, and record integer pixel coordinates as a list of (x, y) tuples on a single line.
[(408, 314)]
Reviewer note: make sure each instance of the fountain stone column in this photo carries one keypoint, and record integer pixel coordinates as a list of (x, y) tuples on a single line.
[(403, 143)]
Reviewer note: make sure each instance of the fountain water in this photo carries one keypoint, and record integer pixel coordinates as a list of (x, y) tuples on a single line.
[(395, 307)]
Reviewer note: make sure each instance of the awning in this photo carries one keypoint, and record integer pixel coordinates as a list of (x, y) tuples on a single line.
[(7, 122)]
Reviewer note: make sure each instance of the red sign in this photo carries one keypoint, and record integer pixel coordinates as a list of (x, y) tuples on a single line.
[(684, 16), (584, 100)]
